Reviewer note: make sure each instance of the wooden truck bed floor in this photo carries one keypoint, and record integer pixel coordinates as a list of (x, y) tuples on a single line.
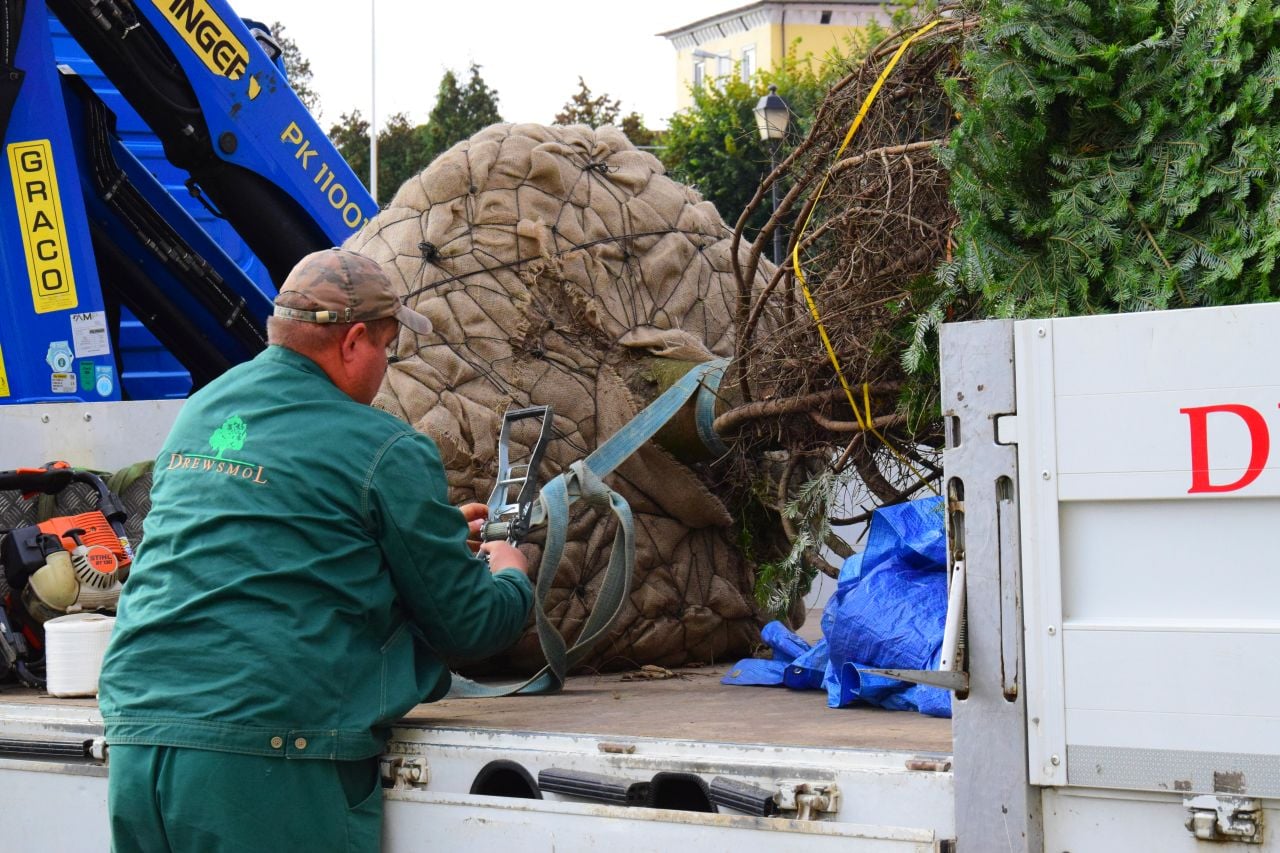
[(694, 705)]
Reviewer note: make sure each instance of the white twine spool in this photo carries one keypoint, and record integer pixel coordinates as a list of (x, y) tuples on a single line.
[(74, 646)]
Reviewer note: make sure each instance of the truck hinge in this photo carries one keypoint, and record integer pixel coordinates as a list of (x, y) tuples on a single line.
[(807, 799), (1212, 817), (396, 771)]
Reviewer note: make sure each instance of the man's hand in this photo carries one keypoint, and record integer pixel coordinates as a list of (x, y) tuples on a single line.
[(475, 514), (504, 555)]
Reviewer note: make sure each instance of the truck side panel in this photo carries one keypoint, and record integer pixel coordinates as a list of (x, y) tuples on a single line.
[(1149, 498)]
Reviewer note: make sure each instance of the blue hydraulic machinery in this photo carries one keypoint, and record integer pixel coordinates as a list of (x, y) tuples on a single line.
[(186, 217)]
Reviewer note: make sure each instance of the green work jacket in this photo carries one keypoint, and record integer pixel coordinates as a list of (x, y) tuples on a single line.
[(302, 577)]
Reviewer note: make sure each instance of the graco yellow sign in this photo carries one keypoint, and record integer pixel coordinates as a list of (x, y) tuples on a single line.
[(44, 233), (208, 35)]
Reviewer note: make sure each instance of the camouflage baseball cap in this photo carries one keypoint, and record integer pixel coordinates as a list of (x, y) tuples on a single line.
[(345, 288)]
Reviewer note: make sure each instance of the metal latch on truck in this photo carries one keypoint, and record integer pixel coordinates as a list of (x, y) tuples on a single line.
[(1212, 817), (807, 800), (401, 771)]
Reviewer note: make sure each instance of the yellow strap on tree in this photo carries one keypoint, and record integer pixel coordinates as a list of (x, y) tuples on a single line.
[(865, 422)]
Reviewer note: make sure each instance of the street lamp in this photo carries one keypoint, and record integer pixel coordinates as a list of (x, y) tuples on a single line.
[(772, 117)]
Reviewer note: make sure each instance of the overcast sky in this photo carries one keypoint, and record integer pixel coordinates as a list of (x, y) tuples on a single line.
[(532, 53)]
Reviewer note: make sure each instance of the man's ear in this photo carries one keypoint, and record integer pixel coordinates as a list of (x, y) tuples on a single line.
[(352, 339)]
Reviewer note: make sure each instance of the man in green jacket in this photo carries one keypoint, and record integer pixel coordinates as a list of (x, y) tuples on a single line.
[(301, 582)]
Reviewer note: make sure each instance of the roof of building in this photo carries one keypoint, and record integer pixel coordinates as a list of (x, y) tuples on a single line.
[(752, 9)]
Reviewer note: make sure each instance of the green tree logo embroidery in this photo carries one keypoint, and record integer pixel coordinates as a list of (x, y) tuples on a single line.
[(229, 436)]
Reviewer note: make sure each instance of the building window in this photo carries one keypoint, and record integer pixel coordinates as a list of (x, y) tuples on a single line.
[(724, 66), (748, 63), (826, 17), (699, 74)]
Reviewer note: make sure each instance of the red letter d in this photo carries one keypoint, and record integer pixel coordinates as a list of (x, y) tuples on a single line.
[(1259, 441)]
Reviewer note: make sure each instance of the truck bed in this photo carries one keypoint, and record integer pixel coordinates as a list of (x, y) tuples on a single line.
[(692, 705), (689, 705)]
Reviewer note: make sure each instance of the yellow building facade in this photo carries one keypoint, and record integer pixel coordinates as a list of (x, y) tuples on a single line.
[(743, 40)]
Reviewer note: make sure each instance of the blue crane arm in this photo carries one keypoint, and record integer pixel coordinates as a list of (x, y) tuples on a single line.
[(116, 283), (226, 114)]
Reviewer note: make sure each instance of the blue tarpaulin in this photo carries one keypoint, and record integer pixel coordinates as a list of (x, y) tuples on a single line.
[(888, 611), (794, 663)]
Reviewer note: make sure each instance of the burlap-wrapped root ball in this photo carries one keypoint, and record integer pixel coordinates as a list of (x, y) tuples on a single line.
[(559, 265)]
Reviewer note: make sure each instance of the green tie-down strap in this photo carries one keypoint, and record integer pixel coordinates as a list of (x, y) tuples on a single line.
[(585, 481)]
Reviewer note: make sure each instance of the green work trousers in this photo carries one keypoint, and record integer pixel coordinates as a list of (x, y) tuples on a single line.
[(164, 798)]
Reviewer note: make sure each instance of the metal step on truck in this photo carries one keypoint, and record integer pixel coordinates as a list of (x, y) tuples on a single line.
[(1110, 493)]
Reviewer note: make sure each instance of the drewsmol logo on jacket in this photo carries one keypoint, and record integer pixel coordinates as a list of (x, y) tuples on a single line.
[(230, 436)]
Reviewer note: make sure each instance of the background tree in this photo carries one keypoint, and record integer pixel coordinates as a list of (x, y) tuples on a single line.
[(404, 149), (298, 68), (584, 108), (401, 154), (632, 126), (459, 112), (351, 137), (400, 149), (598, 110)]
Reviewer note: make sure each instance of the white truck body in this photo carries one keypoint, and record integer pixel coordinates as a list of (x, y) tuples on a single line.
[(1109, 484)]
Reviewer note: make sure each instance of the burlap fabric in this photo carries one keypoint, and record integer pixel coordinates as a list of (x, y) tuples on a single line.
[(559, 265)]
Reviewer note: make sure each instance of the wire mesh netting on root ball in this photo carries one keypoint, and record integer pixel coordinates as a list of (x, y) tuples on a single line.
[(560, 266)]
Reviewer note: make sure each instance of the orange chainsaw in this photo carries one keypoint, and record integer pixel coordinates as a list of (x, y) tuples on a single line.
[(63, 565)]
